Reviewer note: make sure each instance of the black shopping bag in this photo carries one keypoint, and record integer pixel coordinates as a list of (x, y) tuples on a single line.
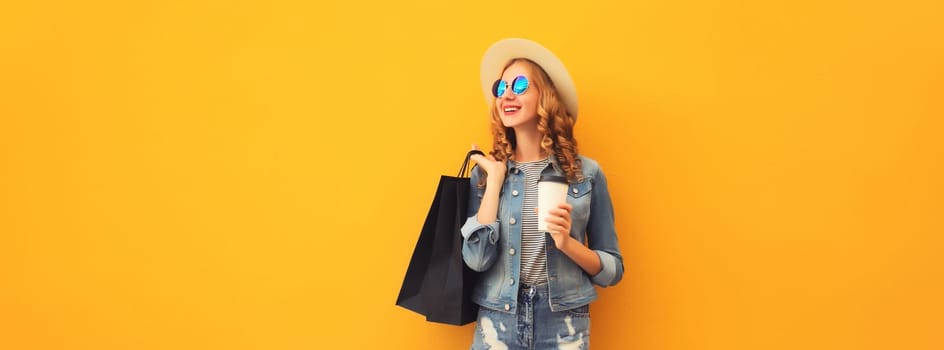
[(438, 284)]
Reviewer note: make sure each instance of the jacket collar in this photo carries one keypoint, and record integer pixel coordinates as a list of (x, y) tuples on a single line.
[(552, 160)]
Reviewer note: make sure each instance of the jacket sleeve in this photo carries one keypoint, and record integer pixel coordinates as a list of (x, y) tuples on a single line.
[(601, 229), (479, 242)]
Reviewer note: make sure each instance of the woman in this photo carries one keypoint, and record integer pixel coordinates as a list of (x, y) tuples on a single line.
[(535, 287)]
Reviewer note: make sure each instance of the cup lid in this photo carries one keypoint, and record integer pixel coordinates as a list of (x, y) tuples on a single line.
[(553, 178)]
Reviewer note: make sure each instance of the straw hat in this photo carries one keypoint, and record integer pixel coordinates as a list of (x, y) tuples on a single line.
[(504, 50)]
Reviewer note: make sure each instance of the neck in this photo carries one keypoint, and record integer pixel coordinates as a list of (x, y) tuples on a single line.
[(528, 145)]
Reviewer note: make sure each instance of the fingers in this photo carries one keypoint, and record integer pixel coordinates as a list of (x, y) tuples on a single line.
[(478, 158), (556, 229), (560, 212), (566, 206), (488, 163), (558, 220), (564, 209), (483, 160), (558, 224)]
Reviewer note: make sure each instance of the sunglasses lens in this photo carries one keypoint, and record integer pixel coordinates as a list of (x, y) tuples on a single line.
[(498, 89), (520, 85)]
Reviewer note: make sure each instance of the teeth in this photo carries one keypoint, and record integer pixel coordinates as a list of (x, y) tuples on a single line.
[(511, 109)]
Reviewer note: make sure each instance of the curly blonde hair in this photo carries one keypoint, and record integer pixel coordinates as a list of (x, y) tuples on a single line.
[(555, 123)]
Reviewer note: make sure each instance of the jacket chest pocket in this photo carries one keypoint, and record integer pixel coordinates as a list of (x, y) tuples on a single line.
[(579, 197)]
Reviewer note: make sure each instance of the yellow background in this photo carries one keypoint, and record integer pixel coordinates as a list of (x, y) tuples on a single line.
[(254, 174)]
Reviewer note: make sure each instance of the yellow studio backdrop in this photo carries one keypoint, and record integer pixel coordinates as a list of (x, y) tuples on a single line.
[(254, 175)]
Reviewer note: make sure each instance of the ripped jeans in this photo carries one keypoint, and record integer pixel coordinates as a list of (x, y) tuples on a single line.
[(535, 326)]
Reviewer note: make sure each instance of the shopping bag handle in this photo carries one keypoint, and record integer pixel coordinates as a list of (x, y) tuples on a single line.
[(465, 165)]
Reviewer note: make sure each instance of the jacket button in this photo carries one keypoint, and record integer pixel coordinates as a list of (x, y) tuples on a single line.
[(511, 251), (512, 221), (507, 307), (514, 193), (511, 282), (575, 190)]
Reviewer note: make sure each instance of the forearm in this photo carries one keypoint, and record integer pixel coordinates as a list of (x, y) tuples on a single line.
[(587, 259), (488, 210)]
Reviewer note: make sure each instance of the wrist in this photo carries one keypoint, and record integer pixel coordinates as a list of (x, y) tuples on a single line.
[(564, 243)]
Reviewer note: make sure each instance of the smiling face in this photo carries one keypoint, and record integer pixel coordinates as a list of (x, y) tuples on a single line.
[(538, 111), (518, 111)]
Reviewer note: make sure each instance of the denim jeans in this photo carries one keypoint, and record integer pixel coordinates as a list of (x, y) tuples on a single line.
[(534, 326)]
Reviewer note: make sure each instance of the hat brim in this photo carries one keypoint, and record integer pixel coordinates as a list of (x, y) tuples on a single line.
[(504, 50)]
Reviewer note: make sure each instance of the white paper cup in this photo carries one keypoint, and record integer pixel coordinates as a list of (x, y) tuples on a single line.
[(552, 191)]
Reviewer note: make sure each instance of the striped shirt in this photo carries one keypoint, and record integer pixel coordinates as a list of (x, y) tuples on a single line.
[(533, 252)]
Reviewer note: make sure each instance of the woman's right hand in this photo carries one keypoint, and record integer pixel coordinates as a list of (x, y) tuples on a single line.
[(495, 169)]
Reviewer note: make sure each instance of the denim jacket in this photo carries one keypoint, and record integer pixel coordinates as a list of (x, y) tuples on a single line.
[(493, 248)]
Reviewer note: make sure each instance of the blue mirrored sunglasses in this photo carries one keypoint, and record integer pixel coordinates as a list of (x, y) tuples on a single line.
[(518, 86)]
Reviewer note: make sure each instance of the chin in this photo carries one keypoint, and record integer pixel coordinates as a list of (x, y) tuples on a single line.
[(510, 123)]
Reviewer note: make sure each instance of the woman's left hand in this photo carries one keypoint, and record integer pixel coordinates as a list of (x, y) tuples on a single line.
[(558, 224)]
